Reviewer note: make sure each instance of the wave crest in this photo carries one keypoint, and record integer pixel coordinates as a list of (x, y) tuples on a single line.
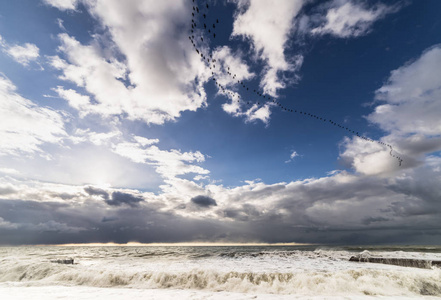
[(362, 281)]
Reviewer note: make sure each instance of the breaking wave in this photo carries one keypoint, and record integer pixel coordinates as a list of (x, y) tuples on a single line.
[(266, 270), (362, 281)]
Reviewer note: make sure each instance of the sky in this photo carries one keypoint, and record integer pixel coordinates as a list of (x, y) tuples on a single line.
[(220, 121)]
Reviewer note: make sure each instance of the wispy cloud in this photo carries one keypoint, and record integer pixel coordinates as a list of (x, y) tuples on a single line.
[(293, 155), (25, 126), (347, 18)]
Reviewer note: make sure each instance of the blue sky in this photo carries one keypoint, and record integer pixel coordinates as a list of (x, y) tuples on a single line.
[(113, 129)]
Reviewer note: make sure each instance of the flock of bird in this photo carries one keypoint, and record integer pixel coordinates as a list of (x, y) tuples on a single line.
[(202, 14)]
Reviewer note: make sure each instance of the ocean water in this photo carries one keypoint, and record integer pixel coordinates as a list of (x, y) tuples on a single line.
[(224, 272)]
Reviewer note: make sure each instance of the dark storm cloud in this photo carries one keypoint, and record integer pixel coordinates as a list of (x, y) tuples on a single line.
[(371, 220), (203, 201), (119, 198), (116, 199), (246, 212), (109, 219), (31, 222), (341, 209), (96, 192)]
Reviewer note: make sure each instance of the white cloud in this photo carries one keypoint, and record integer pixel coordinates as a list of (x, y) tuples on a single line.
[(63, 4), (411, 97), (370, 158), (144, 141), (231, 73), (293, 155), (22, 54), (410, 115), (25, 127), (347, 18), (240, 108), (103, 137), (234, 63), (168, 164), (76, 100), (268, 24), (161, 75), (9, 171), (200, 177), (257, 112)]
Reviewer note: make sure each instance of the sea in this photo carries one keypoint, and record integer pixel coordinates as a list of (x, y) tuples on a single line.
[(215, 272)]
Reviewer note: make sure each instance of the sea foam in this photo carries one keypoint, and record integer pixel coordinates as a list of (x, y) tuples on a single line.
[(296, 272)]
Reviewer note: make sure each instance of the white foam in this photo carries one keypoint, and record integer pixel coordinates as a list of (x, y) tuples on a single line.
[(300, 273)]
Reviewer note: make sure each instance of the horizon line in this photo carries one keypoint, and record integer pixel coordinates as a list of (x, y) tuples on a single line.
[(181, 244)]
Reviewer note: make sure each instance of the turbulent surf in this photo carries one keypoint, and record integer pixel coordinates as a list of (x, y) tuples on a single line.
[(302, 271)]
